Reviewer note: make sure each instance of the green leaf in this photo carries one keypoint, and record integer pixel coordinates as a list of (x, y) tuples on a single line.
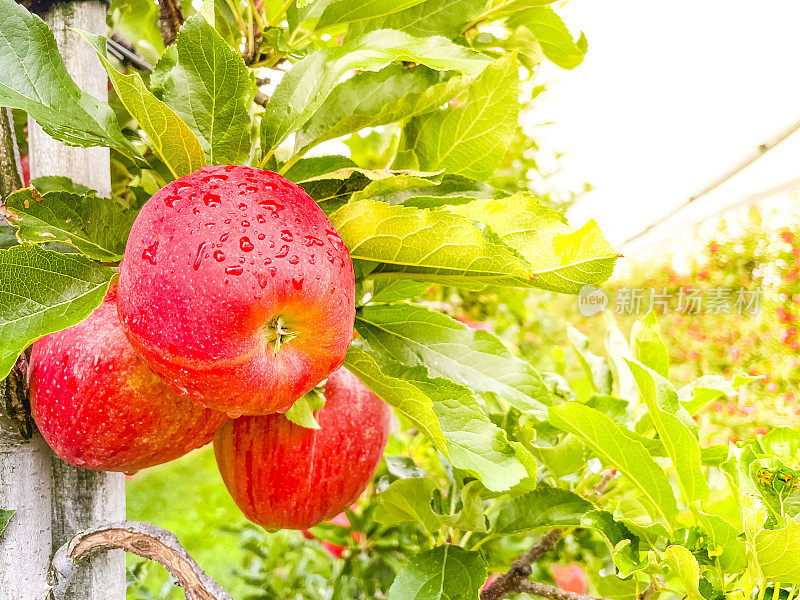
[(549, 30), (416, 335), (59, 183), (703, 390), (425, 245), (732, 553), (778, 553), (169, 137), (5, 518), (542, 507), (33, 78), (98, 227), (681, 446), (408, 501), (595, 367), (393, 290), (471, 138), (347, 11), (547, 507), (648, 347), (444, 411), (615, 446), (42, 292), (562, 259), (445, 18), (306, 86), (684, 566), (372, 99), (309, 168), (471, 516), (211, 89), (444, 573), (303, 409), (422, 192)]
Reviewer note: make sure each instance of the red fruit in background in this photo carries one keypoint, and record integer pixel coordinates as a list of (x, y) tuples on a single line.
[(571, 578), (333, 549), (478, 325), (237, 289), (25, 166), (284, 476), (99, 406)]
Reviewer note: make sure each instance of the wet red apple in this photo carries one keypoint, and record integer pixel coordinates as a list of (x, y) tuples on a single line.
[(237, 289), (284, 476), (571, 578), (99, 406)]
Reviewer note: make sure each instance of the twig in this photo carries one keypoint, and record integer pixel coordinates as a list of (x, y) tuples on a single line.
[(16, 402), (170, 19), (651, 589), (142, 539), (600, 488), (261, 98), (510, 581), (551, 591), (10, 175)]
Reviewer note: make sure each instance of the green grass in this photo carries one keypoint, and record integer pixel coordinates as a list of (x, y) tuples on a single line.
[(187, 497)]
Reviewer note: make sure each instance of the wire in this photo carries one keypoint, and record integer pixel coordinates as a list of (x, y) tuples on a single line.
[(741, 166)]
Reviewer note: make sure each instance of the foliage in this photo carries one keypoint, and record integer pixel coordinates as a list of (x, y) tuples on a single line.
[(490, 452)]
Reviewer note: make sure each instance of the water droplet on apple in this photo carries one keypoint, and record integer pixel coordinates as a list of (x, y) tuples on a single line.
[(310, 240), (294, 259), (312, 259), (245, 244), (271, 205), (261, 236), (267, 261), (234, 270), (195, 211), (242, 206), (171, 199), (297, 282), (262, 280), (245, 223), (227, 221), (223, 237), (211, 199), (261, 218), (273, 271), (219, 255), (149, 253), (286, 235), (210, 224), (198, 259), (283, 251)]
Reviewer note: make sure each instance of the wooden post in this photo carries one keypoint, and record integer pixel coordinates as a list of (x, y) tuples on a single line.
[(26, 487), (82, 499)]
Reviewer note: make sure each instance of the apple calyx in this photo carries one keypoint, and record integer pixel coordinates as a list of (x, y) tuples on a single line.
[(276, 333)]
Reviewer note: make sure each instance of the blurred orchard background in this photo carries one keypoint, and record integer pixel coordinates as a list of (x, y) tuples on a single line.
[(673, 120)]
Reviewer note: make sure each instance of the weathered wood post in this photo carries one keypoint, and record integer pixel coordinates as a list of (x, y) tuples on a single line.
[(79, 499)]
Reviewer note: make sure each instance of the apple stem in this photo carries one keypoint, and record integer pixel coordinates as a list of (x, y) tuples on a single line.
[(277, 333)]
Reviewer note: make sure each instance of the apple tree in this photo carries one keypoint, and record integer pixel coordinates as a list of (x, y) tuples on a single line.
[(392, 117)]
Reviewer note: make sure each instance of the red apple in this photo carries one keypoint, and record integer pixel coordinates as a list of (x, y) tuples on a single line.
[(284, 476), (99, 406), (237, 289), (571, 578), (25, 165)]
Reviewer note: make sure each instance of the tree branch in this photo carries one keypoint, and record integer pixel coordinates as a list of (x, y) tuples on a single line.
[(516, 579), (170, 19), (511, 581), (142, 539), (10, 173), (551, 591)]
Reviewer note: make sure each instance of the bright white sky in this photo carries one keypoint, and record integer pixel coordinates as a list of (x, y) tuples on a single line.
[(671, 95)]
